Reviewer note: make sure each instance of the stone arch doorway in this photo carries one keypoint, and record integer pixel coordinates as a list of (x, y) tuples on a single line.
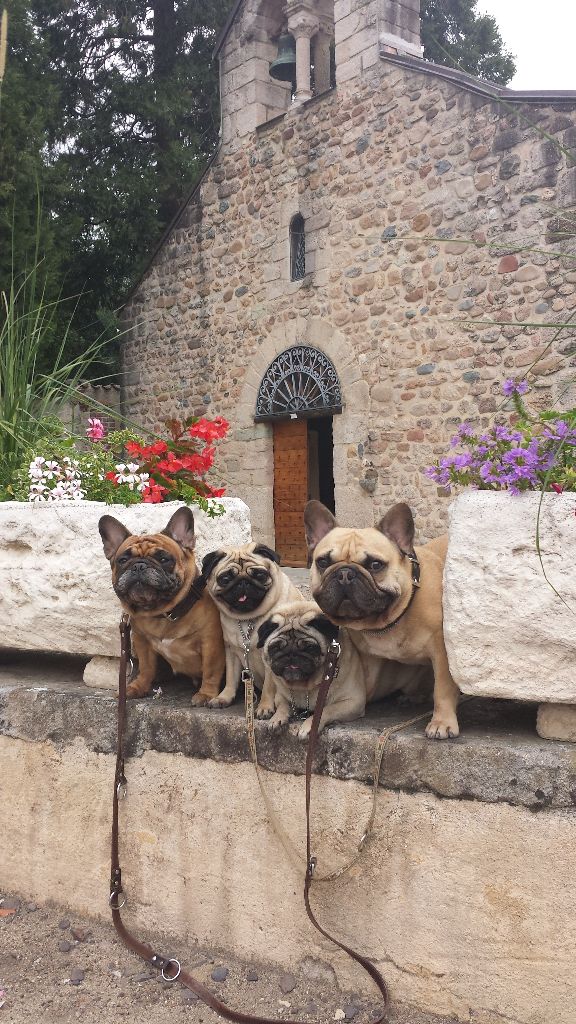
[(299, 395)]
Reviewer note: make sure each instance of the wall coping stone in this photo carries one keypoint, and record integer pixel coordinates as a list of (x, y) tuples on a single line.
[(498, 757)]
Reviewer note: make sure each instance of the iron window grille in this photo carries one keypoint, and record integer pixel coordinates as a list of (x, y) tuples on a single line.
[(301, 381), (297, 248)]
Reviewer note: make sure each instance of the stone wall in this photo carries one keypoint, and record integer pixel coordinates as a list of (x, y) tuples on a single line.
[(436, 221)]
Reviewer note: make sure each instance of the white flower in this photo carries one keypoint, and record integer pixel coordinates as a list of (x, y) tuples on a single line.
[(133, 467)]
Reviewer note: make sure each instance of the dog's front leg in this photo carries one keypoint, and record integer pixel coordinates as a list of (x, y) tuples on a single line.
[(233, 670), (266, 704), (281, 716), (346, 710), (147, 666), (444, 722), (213, 667)]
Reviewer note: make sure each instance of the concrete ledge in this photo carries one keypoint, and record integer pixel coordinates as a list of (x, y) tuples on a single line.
[(463, 896), (498, 757)]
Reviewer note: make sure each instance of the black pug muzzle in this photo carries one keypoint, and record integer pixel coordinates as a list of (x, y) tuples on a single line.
[(347, 592), (295, 656), (144, 585), (245, 593)]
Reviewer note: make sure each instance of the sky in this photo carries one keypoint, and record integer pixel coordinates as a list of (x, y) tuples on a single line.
[(542, 36)]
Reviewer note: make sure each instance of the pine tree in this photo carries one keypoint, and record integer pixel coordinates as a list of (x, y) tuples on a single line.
[(454, 34)]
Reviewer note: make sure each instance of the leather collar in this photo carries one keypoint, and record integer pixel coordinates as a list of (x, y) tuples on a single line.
[(192, 597)]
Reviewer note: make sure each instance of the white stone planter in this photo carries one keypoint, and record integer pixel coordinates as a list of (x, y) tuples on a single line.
[(508, 634), (55, 583)]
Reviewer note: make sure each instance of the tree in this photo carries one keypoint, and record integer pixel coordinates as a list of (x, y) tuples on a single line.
[(453, 34)]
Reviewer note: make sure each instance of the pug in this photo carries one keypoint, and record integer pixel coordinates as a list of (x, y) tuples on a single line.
[(294, 642), (388, 594), (154, 576), (246, 584)]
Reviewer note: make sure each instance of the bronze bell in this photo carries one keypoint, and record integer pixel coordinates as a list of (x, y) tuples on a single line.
[(283, 68)]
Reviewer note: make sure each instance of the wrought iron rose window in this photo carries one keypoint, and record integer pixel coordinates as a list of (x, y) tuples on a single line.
[(301, 380)]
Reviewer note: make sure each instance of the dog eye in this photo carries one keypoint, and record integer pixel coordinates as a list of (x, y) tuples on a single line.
[(259, 574), (226, 577), (375, 565), (161, 556), (322, 563), (123, 559)]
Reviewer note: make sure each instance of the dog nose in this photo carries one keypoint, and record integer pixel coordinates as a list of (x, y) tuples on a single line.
[(139, 566), (346, 575)]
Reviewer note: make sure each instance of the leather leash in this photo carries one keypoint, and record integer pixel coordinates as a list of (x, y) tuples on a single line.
[(169, 967), (330, 669)]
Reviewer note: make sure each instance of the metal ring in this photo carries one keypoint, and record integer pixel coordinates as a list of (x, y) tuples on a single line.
[(121, 790), (114, 895), (173, 976)]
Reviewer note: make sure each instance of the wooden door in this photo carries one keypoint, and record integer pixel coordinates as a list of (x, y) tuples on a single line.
[(290, 489)]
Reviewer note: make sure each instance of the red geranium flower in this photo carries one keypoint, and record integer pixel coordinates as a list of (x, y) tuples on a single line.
[(112, 476), (152, 450), (134, 448), (209, 430), (154, 493)]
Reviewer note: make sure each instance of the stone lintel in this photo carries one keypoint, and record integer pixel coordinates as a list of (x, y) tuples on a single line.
[(497, 759)]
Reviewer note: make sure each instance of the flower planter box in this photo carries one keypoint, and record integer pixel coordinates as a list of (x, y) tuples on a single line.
[(55, 584), (508, 633)]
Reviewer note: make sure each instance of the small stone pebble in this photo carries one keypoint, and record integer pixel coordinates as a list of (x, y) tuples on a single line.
[(11, 904), (143, 977), (63, 925), (287, 983), (252, 976), (31, 907), (339, 1015), (310, 1008), (80, 934), (350, 1011), (64, 946), (219, 974), (76, 976), (189, 997)]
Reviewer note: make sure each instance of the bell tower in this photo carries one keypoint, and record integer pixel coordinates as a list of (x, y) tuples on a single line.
[(277, 54)]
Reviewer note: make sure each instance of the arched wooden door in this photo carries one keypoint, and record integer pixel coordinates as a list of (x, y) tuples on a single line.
[(299, 394)]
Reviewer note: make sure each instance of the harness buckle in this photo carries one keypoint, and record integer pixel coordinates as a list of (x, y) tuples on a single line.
[(246, 676), (312, 867)]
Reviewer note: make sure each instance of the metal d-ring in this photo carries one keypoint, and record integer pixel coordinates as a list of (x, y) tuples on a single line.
[(114, 895), (121, 790), (171, 977)]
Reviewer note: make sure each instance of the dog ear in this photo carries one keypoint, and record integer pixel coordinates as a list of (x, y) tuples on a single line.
[(324, 626), (210, 561), (318, 521), (398, 525), (265, 630), (262, 549), (113, 534), (181, 528)]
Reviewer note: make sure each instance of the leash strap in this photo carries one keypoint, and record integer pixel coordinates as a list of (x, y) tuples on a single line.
[(170, 968)]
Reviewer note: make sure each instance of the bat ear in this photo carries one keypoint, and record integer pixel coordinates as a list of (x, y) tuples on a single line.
[(318, 521), (113, 534), (210, 561), (181, 528), (265, 630), (266, 552), (398, 526), (324, 626)]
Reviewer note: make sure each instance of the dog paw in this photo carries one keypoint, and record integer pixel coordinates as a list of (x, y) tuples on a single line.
[(443, 727), (264, 712), (219, 702), (200, 700), (278, 721), (301, 730), (137, 689)]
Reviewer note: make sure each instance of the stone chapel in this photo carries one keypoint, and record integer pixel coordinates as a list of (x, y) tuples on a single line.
[(355, 272)]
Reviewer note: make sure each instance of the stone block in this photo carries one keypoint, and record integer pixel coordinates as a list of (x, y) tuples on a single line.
[(102, 673), (508, 632), (55, 587), (557, 722)]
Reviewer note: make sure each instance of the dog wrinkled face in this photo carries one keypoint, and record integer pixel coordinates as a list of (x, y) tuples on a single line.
[(241, 579), (295, 645), (357, 575), (149, 571)]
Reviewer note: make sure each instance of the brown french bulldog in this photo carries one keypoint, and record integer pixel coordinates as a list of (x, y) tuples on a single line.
[(152, 575), (367, 580)]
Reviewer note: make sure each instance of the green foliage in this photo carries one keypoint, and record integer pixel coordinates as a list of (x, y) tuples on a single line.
[(454, 34), (29, 397)]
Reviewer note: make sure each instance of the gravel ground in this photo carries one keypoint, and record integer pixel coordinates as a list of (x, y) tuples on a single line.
[(57, 969)]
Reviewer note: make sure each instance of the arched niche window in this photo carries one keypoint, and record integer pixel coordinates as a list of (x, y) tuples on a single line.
[(297, 248)]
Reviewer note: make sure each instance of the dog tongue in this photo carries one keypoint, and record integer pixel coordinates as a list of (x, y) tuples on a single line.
[(242, 599)]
